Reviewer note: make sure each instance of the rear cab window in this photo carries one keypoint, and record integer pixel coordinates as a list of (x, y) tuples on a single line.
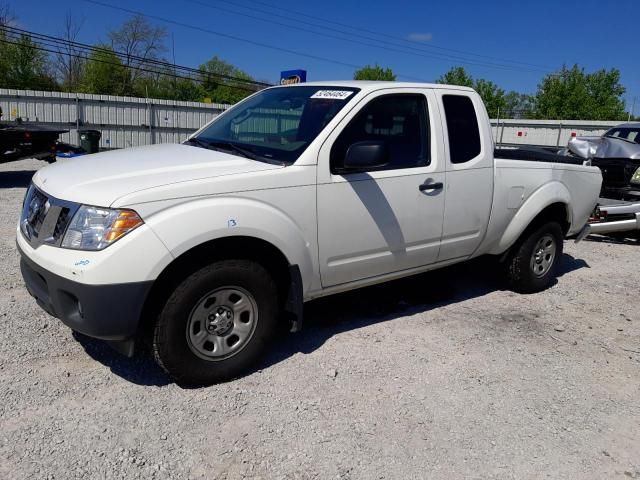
[(462, 127)]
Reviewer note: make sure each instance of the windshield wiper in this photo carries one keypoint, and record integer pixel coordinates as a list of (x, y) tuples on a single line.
[(197, 141), (242, 151), (235, 148), (228, 147)]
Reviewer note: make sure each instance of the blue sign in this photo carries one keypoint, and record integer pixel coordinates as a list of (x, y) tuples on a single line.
[(289, 77)]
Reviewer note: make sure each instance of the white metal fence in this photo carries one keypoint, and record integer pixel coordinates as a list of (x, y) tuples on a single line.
[(129, 121), (123, 121), (546, 132)]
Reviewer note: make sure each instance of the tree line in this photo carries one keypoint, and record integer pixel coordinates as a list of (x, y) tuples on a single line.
[(570, 93), (131, 61)]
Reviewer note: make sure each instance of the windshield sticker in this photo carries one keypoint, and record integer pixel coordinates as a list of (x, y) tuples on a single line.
[(332, 94)]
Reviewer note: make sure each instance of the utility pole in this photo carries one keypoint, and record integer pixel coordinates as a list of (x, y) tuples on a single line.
[(497, 126), (633, 107)]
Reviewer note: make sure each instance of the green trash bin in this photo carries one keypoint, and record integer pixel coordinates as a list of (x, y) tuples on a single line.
[(90, 140)]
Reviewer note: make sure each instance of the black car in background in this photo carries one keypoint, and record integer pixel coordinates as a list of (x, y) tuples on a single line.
[(22, 140)]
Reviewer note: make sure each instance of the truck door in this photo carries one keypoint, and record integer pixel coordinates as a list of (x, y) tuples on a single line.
[(470, 174), (378, 220)]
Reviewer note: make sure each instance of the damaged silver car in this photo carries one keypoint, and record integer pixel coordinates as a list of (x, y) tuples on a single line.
[(617, 154)]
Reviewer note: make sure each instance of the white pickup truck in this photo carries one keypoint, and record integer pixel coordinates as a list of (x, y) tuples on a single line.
[(295, 193)]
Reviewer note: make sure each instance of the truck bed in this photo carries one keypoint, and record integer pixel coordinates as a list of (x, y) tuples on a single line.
[(535, 154)]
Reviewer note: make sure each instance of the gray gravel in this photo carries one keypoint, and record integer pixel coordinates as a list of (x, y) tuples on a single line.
[(443, 376)]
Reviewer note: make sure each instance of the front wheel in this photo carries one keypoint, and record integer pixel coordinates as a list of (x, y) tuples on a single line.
[(217, 323), (532, 265)]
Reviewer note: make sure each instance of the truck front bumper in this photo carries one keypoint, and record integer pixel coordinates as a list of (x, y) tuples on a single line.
[(109, 312)]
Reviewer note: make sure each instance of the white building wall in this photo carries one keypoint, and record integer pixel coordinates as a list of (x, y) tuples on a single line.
[(123, 121), (129, 121)]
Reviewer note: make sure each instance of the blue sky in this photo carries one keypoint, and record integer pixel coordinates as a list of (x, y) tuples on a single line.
[(543, 34)]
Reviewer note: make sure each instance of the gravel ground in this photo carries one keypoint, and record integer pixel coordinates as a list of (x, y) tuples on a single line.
[(445, 375)]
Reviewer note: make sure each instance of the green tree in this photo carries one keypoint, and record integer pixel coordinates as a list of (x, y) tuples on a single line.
[(375, 72), (23, 65), (139, 42), (493, 96), (103, 72), (186, 90), (456, 76), (573, 94), (220, 89), (167, 86), (519, 105), (6, 18)]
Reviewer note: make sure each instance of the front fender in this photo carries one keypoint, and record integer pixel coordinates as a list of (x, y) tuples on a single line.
[(187, 225), (543, 197)]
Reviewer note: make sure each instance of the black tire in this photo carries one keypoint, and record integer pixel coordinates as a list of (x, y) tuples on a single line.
[(172, 347), (521, 275)]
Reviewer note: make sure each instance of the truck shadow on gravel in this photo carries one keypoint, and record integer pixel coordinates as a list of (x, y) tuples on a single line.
[(624, 238), (356, 309), (16, 178), (340, 313), (141, 369)]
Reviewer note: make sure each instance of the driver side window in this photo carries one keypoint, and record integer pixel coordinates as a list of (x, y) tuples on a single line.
[(398, 121)]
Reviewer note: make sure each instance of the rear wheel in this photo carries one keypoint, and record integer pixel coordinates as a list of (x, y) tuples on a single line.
[(533, 264), (217, 323)]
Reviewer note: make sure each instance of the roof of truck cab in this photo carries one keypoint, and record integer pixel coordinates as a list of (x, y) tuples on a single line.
[(376, 85)]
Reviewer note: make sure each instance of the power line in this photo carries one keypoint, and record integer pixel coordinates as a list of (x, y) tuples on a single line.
[(395, 47), (60, 42), (103, 61), (57, 43), (234, 37), (381, 34)]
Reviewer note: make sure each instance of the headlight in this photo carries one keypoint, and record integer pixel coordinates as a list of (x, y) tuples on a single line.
[(636, 176), (95, 228)]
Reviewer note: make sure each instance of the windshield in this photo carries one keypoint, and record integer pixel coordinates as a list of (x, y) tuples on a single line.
[(276, 124), (630, 134)]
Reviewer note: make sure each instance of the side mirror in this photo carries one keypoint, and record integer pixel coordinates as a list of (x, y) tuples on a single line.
[(363, 156)]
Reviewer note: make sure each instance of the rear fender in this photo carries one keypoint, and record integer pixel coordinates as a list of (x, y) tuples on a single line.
[(545, 196)]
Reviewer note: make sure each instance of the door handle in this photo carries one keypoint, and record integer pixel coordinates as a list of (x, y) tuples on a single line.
[(430, 186)]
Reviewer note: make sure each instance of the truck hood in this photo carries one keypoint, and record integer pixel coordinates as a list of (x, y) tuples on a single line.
[(102, 178)]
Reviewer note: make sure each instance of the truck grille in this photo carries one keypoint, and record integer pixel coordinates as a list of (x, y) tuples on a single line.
[(61, 225), (44, 218)]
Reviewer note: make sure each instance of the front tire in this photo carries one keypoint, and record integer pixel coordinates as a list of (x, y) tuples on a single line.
[(532, 266), (217, 323)]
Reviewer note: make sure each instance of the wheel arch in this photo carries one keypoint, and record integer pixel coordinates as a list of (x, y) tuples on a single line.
[(286, 275), (551, 202)]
